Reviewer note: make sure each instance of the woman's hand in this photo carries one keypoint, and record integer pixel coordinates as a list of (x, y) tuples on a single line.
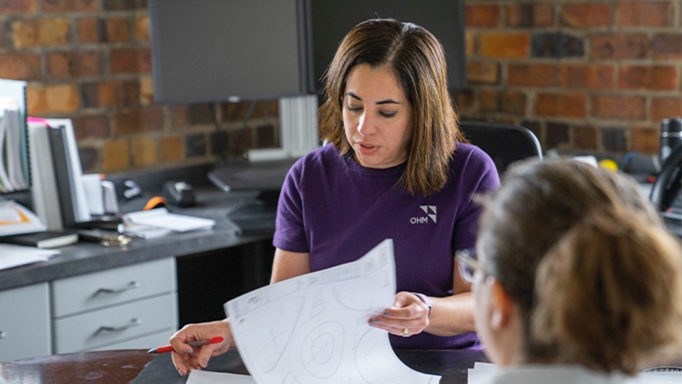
[(408, 316), (186, 358)]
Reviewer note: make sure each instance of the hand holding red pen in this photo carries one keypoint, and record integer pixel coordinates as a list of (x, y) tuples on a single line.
[(187, 357)]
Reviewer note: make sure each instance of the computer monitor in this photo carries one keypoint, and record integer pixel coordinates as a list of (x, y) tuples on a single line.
[(331, 21), (228, 50)]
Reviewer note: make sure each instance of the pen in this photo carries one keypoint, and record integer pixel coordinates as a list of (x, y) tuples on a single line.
[(198, 343)]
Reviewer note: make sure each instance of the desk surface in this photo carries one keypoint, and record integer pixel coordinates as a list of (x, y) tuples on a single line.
[(124, 366), (90, 257)]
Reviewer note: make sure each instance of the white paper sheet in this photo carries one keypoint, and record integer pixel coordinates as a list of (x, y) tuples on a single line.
[(161, 218), (206, 377), (313, 328), (15, 255)]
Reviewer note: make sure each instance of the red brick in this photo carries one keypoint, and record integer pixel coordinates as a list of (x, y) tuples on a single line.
[(584, 15), (18, 66), (645, 140), (138, 120), (192, 114), (68, 5), (143, 150), (470, 43), (513, 102), (482, 15), (130, 60), (618, 107), (114, 5), (620, 46), (533, 75), (561, 105), (90, 30), (647, 77), (66, 65), (483, 72), (464, 101), (171, 149), (587, 76), (489, 101), (118, 29), (530, 15), (650, 13), (142, 28), (146, 90), (40, 32), (665, 107), (52, 99), (17, 6), (115, 156), (667, 46), (557, 135), (91, 126), (585, 137), (111, 94), (504, 45)]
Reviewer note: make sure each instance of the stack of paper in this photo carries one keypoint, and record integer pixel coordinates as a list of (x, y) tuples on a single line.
[(15, 255), (162, 218), (11, 173)]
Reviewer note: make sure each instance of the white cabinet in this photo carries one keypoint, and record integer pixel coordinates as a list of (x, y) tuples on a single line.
[(24, 322), (116, 308)]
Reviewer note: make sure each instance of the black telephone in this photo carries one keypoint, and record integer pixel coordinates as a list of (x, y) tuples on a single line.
[(666, 194)]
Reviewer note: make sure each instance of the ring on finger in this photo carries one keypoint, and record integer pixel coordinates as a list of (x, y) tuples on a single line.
[(405, 332)]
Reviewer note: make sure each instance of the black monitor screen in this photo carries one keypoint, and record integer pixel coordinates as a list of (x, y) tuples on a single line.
[(331, 20), (225, 50)]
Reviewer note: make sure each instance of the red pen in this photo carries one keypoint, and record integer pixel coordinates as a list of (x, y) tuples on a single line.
[(198, 343)]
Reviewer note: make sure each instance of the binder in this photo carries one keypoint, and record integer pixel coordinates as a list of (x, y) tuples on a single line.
[(62, 172), (43, 182)]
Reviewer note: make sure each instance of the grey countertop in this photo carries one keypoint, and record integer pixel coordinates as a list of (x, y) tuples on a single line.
[(87, 257)]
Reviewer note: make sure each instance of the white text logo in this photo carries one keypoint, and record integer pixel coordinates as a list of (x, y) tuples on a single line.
[(430, 211)]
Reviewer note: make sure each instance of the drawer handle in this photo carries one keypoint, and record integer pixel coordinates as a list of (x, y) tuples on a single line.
[(131, 285), (3, 334), (133, 323)]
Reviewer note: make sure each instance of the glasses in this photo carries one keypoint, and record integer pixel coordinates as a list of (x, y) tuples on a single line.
[(468, 265)]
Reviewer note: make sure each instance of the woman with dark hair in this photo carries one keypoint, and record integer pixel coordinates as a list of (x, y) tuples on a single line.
[(395, 166), (576, 276)]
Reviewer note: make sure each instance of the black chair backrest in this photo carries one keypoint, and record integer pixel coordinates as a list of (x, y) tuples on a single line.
[(504, 143)]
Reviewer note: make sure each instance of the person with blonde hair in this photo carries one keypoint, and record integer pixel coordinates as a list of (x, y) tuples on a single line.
[(577, 279), (397, 167)]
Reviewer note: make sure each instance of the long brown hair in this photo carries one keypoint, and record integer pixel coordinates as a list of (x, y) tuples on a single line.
[(582, 253), (416, 57)]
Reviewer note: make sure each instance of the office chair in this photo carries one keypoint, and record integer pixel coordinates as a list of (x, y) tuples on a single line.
[(504, 143)]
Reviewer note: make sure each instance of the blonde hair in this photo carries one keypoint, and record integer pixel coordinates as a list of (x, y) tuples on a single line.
[(416, 57), (586, 259)]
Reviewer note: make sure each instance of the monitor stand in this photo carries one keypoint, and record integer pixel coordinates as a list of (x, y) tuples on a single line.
[(256, 218)]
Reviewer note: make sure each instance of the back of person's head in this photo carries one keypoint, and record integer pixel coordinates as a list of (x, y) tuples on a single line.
[(586, 259), (417, 59)]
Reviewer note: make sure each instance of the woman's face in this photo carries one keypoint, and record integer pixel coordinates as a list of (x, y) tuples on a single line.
[(377, 117)]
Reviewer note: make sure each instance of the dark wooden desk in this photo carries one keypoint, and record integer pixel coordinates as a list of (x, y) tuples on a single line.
[(124, 366)]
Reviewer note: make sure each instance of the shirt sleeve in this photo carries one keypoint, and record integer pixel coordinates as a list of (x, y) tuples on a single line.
[(290, 234), (484, 179)]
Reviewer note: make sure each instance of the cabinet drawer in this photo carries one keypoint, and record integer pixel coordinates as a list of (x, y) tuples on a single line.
[(111, 287), (24, 322), (116, 324), (143, 342)]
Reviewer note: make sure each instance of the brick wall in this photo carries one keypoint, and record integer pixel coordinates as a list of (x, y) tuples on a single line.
[(90, 60), (584, 75)]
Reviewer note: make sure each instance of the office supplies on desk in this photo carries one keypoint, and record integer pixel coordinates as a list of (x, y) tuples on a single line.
[(44, 239), (16, 255), (17, 219), (162, 218), (198, 343)]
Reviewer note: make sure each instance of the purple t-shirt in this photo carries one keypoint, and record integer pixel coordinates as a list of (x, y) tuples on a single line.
[(337, 210)]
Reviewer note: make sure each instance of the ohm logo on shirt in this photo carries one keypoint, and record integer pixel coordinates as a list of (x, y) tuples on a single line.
[(429, 210)]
